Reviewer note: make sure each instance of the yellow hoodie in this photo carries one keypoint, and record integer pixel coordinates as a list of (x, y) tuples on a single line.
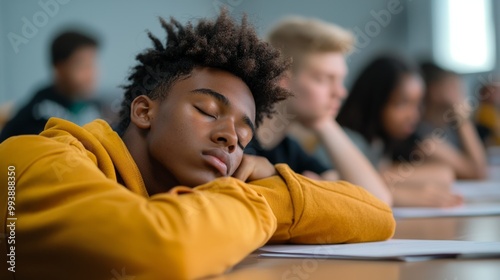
[(66, 216)]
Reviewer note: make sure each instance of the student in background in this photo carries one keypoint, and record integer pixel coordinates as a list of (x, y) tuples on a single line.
[(381, 116), (487, 116), (446, 109), (73, 58), (318, 50), (171, 195), (5, 112)]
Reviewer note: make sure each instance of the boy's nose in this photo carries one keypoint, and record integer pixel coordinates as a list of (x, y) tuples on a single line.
[(226, 137)]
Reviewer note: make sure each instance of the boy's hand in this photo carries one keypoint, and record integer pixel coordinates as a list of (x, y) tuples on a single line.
[(254, 168)]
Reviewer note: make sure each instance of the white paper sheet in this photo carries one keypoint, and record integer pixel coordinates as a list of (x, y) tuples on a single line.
[(395, 249), (478, 190), (494, 173), (494, 155), (461, 211)]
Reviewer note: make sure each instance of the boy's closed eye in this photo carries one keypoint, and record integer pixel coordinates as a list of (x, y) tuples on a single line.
[(214, 115), (203, 112)]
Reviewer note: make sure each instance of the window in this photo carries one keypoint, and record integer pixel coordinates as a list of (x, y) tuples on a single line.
[(464, 38)]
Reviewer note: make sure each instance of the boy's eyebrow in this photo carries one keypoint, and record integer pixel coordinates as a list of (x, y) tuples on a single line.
[(224, 100), (221, 98)]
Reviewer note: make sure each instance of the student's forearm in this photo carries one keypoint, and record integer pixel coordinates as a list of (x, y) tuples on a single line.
[(473, 149), (350, 163), (321, 212), (411, 175), (427, 185)]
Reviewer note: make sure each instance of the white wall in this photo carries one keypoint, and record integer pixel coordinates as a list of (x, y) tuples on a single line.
[(121, 26)]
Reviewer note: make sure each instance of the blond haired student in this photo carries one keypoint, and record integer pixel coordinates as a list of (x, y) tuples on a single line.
[(169, 194), (318, 50)]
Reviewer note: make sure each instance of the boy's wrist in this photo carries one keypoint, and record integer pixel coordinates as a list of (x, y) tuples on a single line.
[(325, 128)]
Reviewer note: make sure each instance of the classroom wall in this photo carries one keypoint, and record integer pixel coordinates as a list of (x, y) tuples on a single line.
[(420, 40), (496, 18), (119, 24), (3, 96), (419, 34), (375, 32)]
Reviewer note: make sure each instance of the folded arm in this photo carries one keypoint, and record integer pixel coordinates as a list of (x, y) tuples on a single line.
[(319, 212)]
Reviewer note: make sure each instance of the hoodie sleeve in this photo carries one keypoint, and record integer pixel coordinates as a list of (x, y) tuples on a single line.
[(74, 223), (320, 212)]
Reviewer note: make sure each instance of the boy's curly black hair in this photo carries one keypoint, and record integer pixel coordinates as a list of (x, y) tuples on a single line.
[(219, 43)]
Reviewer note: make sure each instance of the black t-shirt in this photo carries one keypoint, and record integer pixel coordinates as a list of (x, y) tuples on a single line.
[(47, 103), (290, 152)]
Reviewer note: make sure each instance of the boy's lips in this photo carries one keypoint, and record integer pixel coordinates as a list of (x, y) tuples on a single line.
[(218, 159)]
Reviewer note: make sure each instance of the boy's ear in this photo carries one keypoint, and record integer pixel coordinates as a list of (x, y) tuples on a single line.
[(141, 111)]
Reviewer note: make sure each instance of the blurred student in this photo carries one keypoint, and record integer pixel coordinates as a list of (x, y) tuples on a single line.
[(487, 116), (73, 58), (171, 195), (318, 50), (380, 116), (447, 112), (5, 112)]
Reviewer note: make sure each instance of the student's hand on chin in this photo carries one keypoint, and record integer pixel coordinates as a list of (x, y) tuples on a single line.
[(462, 111), (319, 124), (254, 168), (459, 108)]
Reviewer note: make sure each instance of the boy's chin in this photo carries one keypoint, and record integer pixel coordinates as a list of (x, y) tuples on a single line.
[(195, 180)]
